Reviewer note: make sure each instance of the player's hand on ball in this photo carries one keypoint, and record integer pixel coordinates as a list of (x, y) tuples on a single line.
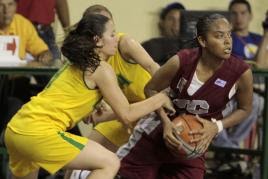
[(205, 135), (169, 136)]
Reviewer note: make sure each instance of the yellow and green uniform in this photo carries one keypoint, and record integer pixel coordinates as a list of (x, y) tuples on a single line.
[(132, 79), (36, 137)]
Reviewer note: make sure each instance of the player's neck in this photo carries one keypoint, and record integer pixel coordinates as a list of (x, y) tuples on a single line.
[(209, 62)]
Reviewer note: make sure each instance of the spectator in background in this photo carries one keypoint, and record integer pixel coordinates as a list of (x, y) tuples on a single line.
[(42, 15), (29, 41), (253, 48), (246, 43), (168, 44)]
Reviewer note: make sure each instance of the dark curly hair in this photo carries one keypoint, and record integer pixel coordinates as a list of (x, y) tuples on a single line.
[(80, 44)]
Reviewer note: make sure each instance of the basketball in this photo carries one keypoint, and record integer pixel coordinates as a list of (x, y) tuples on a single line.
[(185, 123)]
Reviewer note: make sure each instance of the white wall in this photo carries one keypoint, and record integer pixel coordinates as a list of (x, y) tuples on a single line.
[(139, 18)]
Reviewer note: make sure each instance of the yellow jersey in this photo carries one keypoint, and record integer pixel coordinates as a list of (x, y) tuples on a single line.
[(64, 102), (131, 77)]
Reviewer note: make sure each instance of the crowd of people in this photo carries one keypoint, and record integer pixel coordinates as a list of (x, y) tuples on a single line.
[(129, 92)]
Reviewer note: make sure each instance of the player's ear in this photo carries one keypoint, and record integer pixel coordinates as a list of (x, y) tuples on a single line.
[(201, 41), (98, 41)]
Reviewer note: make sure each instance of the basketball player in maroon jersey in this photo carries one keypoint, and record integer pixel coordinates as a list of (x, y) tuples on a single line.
[(202, 80)]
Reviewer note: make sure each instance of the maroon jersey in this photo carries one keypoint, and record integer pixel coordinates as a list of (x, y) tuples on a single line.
[(211, 98)]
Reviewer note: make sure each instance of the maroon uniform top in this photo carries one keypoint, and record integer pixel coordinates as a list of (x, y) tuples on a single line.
[(37, 11), (211, 98), (146, 154)]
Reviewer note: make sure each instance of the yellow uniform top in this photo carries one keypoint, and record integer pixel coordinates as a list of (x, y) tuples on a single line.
[(29, 41), (132, 78), (63, 103)]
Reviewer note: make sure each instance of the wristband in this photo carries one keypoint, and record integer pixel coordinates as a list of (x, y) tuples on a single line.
[(218, 123)]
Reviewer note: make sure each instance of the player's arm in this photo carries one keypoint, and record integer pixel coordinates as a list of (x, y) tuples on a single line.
[(163, 77), (244, 99), (262, 53), (131, 50), (162, 80), (105, 79), (261, 57)]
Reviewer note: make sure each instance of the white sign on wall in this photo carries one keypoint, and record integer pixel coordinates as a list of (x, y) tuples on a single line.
[(9, 45), (9, 51)]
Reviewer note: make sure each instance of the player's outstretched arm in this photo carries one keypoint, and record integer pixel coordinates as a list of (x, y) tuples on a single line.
[(105, 79), (131, 50)]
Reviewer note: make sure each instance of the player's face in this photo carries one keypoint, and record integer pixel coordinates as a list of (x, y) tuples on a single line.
[(218, 40), (171, 24), (7, 11), (240, 17), (109, 40)]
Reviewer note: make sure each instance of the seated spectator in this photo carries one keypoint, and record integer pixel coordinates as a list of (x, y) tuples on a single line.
[(29, 41), (161, 48), (42, 15)]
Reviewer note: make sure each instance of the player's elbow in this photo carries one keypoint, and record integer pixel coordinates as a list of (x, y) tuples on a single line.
[(247, 110), (125, 118)]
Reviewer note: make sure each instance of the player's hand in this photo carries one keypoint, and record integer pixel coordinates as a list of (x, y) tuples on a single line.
[(204, 135), (98, 114), (168, 106), (169, 135), (129, 127), (102, 107), (91, 118)]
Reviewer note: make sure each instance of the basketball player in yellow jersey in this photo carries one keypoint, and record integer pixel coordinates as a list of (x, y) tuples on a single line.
[(36, 136), (133, 67)]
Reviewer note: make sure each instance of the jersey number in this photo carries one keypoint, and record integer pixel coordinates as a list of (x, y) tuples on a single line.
[(192, 106)]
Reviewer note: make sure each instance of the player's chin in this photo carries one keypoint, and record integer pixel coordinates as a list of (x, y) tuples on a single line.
[(225, 56)]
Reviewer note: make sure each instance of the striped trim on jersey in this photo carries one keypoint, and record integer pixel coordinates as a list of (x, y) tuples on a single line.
[(147, 124)]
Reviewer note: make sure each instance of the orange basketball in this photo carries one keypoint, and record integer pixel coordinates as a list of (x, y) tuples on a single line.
[(186, 123)]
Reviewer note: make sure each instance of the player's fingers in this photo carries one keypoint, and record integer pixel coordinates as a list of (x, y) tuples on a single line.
[(198, 138), (197, 132), (202, 146), (170, 146), (173, 141), (174, 137)]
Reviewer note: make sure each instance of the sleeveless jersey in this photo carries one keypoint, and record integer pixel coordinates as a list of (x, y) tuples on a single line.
[(132, 78), (63, 103), (210, 99)]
